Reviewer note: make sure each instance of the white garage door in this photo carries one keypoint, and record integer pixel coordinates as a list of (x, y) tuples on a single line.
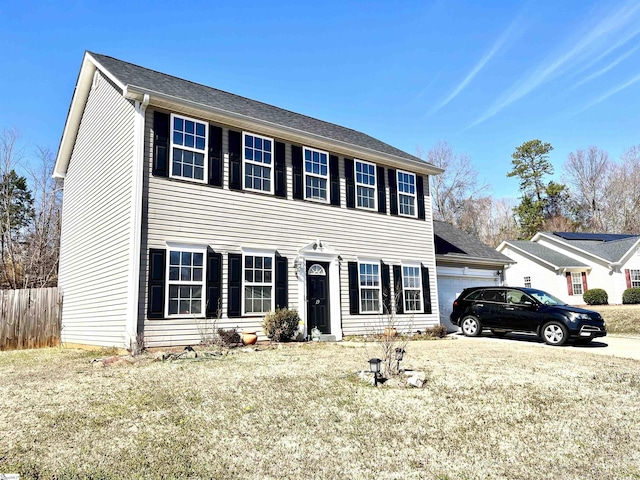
[(450, 286)]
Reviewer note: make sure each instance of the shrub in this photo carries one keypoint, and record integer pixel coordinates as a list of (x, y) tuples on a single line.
[(228, 338), (596, 296), (631, 295), (281, 325), (437, 331)]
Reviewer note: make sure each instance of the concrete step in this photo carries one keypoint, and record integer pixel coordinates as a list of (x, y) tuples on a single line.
[(327, 338)]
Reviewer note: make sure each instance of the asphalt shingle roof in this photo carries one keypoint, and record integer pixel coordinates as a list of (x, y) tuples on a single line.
[(612, 250), (547, 254), (134, 75), (463, 243)]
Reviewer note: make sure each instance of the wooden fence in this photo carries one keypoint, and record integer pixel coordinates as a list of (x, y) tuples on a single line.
[(30, 318)]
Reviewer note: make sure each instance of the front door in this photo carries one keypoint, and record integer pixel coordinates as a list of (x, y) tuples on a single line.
[(318, 297)]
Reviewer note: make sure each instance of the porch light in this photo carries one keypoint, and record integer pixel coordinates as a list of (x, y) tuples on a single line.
[(400, 354), (374, 367)]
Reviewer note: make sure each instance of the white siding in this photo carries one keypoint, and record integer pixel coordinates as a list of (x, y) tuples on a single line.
[(186, 212), (95, 222)]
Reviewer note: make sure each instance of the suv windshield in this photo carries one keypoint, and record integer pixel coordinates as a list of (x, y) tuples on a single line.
[(545, 298)]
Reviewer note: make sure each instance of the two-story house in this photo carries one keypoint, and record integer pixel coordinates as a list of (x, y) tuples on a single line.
[(184, 203)]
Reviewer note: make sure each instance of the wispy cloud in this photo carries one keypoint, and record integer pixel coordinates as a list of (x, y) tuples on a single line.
[(502, 40), (593, 43), (610, 93), (604, 70)]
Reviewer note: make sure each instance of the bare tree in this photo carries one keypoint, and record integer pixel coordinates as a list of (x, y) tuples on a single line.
[(588, 174), (452, 190), (623, 194)]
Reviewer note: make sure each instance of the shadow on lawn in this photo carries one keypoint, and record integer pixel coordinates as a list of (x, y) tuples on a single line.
[(532, 338)]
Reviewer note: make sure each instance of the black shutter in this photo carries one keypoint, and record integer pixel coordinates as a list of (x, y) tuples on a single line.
[(351, 183), (215, 156), (386, 289), (235, 160), (157, 259), (235, 285), (161, 144), (397, 280), (382, 191), (426, 288), (354, 294), (214, 283), (334, 180), (393, 191), (420, 196), (282, 283), (296, 161), (280, 171), (427, 188)]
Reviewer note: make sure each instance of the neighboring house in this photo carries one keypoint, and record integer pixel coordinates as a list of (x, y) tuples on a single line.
[(566, 264), (462, 261), (183, 202)]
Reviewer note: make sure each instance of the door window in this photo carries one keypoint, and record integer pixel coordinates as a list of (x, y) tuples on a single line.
[(493, 296)]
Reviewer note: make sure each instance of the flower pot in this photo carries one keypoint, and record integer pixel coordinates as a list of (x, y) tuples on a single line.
[(249, 337), (390, 332)]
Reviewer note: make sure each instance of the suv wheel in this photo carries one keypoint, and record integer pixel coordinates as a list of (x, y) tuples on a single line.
[(471, 326), (554, 333)]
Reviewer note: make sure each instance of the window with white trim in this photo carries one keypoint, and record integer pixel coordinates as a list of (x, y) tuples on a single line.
[(185, 281), (370, 287), (316, 174), (527, 282), (412, 288), (188, 148), (258, 284), (257, 162), (365, 185), (576, 283), (634, 276), (406, 194)]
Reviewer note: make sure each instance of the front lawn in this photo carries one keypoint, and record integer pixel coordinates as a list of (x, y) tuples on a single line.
[(621, 319), (488, 410)]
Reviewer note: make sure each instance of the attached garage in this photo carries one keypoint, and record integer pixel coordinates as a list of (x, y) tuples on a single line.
[(462, 261)]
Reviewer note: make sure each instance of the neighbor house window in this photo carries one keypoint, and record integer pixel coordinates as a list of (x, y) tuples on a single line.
[(370, 287), (576, 283), (634, 275), (316, 174), (365, 185), (258, 284), (527, 282), (188, 148), (258, 162), (412, 288), (406, 193), (185, 281)]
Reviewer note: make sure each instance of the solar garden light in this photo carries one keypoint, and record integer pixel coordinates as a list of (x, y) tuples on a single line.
[(399, 355), (374, 367)]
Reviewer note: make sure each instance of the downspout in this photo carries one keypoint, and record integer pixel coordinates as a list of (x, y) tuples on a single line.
[(135, 232)]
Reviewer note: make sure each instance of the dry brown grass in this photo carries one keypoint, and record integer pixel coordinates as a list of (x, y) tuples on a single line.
[(621, 319), (488, 410)]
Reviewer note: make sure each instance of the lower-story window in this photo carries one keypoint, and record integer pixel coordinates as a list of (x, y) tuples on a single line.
[(185, 281), (527, 282), (370, 287), (576, 283), (258, 284), (634, 277), (412, 289)]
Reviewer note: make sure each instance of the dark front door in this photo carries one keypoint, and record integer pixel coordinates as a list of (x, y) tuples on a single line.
[(318, 297)]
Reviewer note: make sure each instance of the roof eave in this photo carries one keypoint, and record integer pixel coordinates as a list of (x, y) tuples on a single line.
[(555, 238), (456, 258), (134, 92)]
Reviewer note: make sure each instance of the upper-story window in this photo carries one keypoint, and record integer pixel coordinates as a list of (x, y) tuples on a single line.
[(406, 194), (258, 162), (188, 148), (185, 281), (365, 185), (370, 287), (316, 174)]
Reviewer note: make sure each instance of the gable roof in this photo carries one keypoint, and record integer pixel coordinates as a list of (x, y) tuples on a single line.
[(451, 242), (137, 81), (547, 255), (609, 247)]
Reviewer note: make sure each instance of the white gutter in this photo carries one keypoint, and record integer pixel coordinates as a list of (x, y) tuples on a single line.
[(135, 231), (133, 92)]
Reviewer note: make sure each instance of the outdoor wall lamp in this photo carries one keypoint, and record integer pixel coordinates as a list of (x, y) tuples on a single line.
[(374, 367)]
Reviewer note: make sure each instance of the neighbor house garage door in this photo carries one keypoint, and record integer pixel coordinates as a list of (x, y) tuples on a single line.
[(451, 284)]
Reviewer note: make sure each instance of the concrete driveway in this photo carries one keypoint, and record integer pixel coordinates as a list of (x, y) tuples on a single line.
[(614, 346)]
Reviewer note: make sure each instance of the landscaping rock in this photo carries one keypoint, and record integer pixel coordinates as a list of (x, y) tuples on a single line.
[(415, 382)]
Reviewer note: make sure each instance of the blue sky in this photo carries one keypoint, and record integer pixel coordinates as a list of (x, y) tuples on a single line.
[(484, 76)]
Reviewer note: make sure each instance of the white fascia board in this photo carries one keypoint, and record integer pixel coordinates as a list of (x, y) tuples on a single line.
[(570, 247), (625, 258), (466, 259), (299, 136)]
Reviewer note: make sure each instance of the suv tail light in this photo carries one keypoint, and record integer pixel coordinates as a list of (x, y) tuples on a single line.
[(455, 303)]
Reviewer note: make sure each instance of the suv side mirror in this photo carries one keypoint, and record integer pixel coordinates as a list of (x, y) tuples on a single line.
[(527, 303)]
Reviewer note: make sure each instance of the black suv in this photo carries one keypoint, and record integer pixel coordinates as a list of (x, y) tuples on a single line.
[(509, 309)]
